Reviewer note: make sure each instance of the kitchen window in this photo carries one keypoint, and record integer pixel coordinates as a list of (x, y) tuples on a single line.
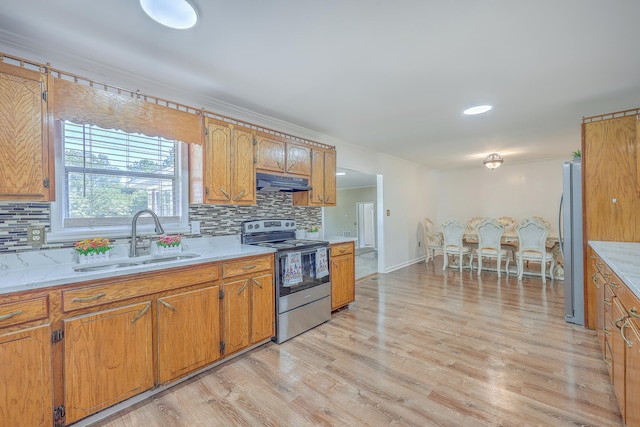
[(104, 176)]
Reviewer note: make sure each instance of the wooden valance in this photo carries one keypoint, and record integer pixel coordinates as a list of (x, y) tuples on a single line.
[(127, 111)]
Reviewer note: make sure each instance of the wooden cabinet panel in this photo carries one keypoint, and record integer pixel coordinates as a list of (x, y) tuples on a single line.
[(298, 159), (246, 266), (342, 275), (15, 313), (262, 308), (25, 153), (188, 332), (243, 167), (632, 366), (609, 168), (125, 287), (617, 348), (270, 153), (218, 164), (223, 171), (237, 303), (107, 358), (323, 180), (25, 374)]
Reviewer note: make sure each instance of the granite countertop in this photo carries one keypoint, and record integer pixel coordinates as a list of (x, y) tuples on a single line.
[(42, 269), (623, 258)]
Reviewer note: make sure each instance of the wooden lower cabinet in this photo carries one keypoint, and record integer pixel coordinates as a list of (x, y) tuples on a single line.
[(249, 312), (632, 366), (25, 375), (188, 332), (107, 358), (343, 281), (618, 327)]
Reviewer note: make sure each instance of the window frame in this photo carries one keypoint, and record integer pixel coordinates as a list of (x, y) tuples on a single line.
[(58, 231)]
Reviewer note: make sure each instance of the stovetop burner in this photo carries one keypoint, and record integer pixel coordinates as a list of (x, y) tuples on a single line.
[(289, 244), (279, 234)]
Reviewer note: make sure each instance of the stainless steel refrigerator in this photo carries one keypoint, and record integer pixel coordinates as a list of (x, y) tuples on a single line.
[(570, 232)]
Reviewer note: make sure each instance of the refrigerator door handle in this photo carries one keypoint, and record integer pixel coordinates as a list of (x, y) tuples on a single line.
[(561, 240)]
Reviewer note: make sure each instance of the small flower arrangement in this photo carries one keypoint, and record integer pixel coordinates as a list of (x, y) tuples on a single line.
[(98, 245), (93, 250), (169, 241), (313, 229), (169, 244)]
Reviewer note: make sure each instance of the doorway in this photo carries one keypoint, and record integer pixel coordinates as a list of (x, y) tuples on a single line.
[(366, 224)]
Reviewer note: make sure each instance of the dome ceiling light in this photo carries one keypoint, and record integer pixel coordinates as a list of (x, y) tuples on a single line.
[(493, 161), (178, 14), (478, 109)]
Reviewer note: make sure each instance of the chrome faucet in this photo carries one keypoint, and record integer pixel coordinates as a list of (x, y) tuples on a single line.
[(133, 250)]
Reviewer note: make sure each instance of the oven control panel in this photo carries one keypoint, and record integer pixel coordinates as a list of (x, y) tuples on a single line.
[(266, 225)]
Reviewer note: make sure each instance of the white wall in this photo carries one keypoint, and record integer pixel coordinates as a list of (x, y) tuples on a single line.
[(519, 191)]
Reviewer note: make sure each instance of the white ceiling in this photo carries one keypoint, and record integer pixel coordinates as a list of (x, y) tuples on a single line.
[(392, 76)]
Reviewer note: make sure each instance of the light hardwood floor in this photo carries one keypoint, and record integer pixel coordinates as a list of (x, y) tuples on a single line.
[(419, 347)]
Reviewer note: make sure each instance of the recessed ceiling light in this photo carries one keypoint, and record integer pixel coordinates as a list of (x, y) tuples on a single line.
[(340, 173), (178, 14), (478, 109)]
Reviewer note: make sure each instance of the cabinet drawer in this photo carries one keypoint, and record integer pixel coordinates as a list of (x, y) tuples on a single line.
[(14, 313), (248, 266), (111, 290), (342, 249)]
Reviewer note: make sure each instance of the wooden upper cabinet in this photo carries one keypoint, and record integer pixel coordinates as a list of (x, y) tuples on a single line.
[(223, 171), (323, 180), (270, 153), (609, 179), (298, 159), (277, 154), (26, 157)]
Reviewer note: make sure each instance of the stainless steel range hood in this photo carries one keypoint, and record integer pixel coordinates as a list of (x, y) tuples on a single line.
[(274, 183)]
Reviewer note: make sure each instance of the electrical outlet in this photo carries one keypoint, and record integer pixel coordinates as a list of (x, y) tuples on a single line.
[(35, 235)]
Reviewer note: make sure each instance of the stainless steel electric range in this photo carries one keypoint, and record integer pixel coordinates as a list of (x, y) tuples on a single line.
[(303, 284)]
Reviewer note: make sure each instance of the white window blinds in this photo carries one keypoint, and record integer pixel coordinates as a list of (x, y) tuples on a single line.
[(111, 174)]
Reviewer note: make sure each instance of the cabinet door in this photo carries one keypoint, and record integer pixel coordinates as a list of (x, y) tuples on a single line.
[(270, 153), (107, 358), (262, 308), (609, 170), (188, 332), (298, 159), (243, 168), (329, 178), (632, 364), (218, 164), (342, 281), (236, 315), (618, 350), (25, 375), (24, 146)]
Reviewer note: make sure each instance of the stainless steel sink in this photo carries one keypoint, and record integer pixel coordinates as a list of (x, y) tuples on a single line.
[(102, 267), (167, 258)]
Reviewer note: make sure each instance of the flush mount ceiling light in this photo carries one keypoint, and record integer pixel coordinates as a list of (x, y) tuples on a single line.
[(178, 14), (340, 173), (478, 109), (493, 161)]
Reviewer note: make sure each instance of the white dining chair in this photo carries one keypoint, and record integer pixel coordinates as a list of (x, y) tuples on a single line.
[(532, 246), (490, 233), (432, 241), (453, 233)]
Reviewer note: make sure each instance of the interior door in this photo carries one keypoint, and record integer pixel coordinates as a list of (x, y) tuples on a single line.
[(366, 235)]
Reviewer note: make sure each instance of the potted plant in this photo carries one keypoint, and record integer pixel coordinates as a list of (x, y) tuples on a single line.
[(577, 156), (313, 232), (169, 244), (93, 250)]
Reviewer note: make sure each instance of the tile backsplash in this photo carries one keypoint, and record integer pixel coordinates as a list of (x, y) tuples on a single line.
[(215, 220)]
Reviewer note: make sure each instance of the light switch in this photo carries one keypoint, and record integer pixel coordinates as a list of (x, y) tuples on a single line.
[(388, 212)]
